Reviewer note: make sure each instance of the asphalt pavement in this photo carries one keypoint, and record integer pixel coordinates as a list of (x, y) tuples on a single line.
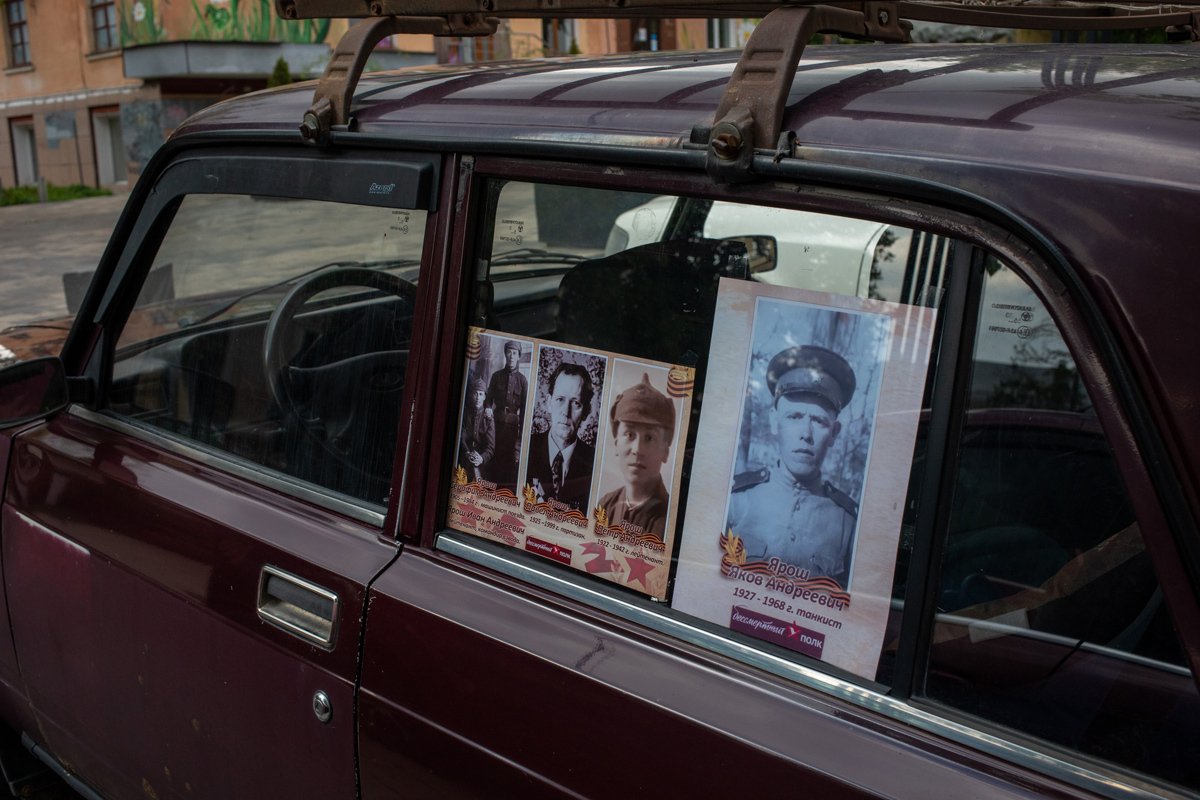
[(39, 243)]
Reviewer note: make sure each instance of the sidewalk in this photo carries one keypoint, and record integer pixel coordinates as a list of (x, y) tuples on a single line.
[(39, 242)]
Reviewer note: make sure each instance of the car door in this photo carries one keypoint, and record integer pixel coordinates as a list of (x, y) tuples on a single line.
[(523, 645), (186, 553)]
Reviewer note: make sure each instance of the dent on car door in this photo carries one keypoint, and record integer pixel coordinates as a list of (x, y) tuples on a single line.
[(186, 561)]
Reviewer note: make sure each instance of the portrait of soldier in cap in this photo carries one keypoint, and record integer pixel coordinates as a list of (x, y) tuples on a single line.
[(789, 510), (505, 405), (642, 424), (560, 462), (477, 438)]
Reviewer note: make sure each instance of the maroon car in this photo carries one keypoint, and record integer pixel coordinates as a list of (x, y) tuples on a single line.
[(615, 428)]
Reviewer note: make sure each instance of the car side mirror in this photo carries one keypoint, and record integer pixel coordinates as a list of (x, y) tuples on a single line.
[(761, 252), (32, 390)]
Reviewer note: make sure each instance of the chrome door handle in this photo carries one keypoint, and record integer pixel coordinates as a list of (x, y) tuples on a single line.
[(297, 606)]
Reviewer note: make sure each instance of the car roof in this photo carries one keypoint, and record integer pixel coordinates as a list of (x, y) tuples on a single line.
[(1131, 108)]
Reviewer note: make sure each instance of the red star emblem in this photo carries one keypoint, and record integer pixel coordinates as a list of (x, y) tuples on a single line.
[(638, 570)]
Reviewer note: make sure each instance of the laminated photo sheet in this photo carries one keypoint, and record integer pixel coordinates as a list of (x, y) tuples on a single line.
[(804, 449), (581, 512)]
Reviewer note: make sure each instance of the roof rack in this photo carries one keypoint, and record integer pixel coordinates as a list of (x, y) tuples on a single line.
[(751, 111)]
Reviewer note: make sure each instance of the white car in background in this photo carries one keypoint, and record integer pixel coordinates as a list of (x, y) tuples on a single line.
[(828, 253)]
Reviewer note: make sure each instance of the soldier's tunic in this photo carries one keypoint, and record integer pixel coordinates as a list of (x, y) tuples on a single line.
[(650, 515), (506, 397), (777, 517)]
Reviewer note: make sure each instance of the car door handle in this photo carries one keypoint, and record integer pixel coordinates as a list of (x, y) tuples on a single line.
[(297, 606)]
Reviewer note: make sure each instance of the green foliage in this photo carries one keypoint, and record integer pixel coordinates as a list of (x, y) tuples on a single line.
[(29, 194), (307, 31), (146, 30), (219, 23), (281, 75)]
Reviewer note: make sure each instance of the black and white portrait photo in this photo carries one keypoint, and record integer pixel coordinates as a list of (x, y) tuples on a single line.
[(562, 445), (639, 449), (493, 412), (807, 419)]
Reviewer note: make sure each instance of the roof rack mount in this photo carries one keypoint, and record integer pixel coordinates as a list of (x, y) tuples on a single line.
[(750, 114), (330, 108)]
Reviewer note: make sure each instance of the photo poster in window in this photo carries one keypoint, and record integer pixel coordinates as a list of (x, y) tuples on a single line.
[(805, 445), (596, 458)]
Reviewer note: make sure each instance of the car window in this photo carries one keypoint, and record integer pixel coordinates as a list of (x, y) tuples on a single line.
[(1050, 619), (276, 331), (683, 398)]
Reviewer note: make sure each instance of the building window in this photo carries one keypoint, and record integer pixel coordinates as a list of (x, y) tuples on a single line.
[(104, 24), (558, 37), (18, 33)]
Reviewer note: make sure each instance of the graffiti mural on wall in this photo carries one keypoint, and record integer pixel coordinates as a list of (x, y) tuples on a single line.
[(154, 21)]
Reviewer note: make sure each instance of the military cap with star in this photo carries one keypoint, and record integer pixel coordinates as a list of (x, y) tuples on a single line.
[(643, 403), (813, 370)]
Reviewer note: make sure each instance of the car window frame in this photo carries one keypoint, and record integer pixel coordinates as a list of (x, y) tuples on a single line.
[(938, 209), (179, 171)]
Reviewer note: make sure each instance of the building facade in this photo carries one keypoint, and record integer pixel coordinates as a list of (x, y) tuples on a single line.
[(91, 88)]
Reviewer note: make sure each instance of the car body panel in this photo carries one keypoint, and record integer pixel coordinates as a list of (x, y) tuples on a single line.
[(156, 589), (462, 668)]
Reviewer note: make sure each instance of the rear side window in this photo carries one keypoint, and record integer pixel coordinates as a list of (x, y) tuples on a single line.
[(706, 404), (1050, 619)]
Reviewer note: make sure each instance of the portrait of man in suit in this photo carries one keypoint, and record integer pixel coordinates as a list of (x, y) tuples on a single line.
[(560, 462)]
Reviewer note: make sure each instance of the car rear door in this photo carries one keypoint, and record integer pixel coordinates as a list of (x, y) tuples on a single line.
[(186, 555), (511, 651)]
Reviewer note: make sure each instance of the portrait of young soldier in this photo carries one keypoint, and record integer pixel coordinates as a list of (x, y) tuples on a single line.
[(477, 439), (789, 510), (560, 462), (642, 423), (505, 404)]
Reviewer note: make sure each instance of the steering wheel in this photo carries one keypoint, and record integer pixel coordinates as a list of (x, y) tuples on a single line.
[(342, 403)]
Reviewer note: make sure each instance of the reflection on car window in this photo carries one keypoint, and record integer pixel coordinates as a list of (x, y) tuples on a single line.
[(1050, 619), (215, 352)]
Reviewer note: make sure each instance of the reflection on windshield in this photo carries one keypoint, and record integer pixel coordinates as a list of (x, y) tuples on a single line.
[(411, 269), (227, 256)]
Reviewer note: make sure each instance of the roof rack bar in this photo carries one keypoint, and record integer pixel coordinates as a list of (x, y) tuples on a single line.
[(331, 100)]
